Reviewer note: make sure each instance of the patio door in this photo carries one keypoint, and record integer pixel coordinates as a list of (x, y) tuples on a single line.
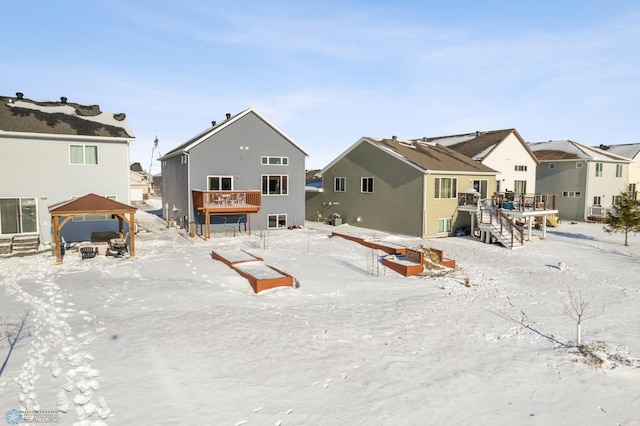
[(480, 185), (18, 215)]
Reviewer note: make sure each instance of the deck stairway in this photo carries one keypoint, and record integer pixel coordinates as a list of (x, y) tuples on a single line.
[(19, 243), (494, 223)]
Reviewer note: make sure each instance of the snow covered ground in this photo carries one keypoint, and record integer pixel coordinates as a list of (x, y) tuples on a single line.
[(175, 337)]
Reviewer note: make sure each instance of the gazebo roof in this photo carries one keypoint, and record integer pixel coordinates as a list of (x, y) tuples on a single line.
[(90, 204)]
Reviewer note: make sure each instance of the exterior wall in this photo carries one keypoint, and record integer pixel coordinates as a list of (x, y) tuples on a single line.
[(606, 186), (175, 184), (505, 157), (395, 206), (634, 172), (565, 177), (39, 168), (236, 151), (438, 208)]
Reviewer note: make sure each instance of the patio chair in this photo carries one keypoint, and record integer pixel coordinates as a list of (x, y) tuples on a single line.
[(118, 246)]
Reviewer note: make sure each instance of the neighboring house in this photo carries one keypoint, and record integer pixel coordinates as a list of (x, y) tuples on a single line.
[(245, 155), (139, 186), (586, 180), (403, 187), (502, 150), (632, 152), (53, 151)]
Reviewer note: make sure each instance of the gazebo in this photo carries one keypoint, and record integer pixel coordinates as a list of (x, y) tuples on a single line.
[(91, 204)]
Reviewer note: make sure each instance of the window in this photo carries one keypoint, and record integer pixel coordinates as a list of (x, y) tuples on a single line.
[(220, 183), (275, 184), (18, 215), (616, 200), (572, 194), (444, 226), (275, 221), (339, 184), (618, 170), (598, 169), (275, 161), (579, 164), (521, 168), (83, 154), (446, 188), (183, 159), (367, 184), (520, 186), (552, 165), (596, 201)]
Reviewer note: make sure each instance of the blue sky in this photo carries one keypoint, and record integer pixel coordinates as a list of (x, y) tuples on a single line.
[(329, 72)]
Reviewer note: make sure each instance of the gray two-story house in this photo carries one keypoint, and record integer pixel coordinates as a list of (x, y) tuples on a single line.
[(238, 174), (53, 151), (586, 180)]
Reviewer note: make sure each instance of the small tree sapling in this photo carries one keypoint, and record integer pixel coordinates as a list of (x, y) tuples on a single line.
[(576, 310)]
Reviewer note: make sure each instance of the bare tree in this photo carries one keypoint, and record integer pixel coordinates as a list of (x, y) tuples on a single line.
[(576, 310)]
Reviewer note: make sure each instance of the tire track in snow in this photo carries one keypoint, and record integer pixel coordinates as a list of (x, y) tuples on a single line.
[(50, 329)]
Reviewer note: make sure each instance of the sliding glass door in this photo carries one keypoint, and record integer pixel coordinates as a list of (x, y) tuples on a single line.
[(18, 215)]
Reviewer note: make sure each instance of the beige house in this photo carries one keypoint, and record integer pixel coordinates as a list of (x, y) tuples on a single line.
[(396, 186), (632, 152), (502, 150)]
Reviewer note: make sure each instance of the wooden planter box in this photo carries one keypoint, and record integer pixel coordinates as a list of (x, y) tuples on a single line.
[(409, 264), (263, 277), (231, 257)]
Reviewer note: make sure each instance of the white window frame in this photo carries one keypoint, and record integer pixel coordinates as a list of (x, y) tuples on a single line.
[(618, 170), (444, 226), (271, 160), (438, 188), (21, 214), (340, 184), (597, 201), (552, 165), (520, 168), (278, 219), (366, 185), (599, 169), (284, 184), (517, 184), (84, 154), (220, 178)]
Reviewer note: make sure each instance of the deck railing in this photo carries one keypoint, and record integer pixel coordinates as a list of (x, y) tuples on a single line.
[(524, 202), (227, 201)]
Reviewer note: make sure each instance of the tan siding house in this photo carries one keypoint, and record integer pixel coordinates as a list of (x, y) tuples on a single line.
[(403, 187)]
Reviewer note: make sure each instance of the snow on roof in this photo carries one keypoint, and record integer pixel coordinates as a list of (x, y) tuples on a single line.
[(453, 140), (628, 150), (567, 149)]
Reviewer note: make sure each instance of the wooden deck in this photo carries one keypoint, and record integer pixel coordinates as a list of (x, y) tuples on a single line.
[(226, 202)]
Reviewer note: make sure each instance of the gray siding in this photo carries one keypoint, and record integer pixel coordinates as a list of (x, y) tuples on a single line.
[(395, 205), (565, 176), (39, 168), (174, 181), (236, 151)]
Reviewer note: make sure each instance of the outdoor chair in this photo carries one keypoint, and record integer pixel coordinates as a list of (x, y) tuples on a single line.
[(118, 246), (88, 252)]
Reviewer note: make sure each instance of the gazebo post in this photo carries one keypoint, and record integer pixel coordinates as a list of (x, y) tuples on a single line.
[(132, 236), (56, 238)]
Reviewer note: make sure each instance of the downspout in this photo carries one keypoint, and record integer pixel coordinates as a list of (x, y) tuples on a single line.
[(189, 195), (424, 204), (588, 192)]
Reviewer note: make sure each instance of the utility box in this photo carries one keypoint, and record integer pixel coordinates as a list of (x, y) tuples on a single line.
[(336, 221)]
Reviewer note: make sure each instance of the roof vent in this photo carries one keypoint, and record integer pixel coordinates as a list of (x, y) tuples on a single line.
[(477, 133), (228, 116), (425, 139), (394, 137), (213, 123), (63, 99), (604, 147), (19, 95)]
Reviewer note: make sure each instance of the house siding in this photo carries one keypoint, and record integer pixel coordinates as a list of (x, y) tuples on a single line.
[(41, 168), (175, 178), (506, 155), (394, 206), (565, 176), (236, 150)]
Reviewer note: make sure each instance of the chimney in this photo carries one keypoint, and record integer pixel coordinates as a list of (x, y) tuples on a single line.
[(213, 123), (19, 95), (477, 133), (63, 99), (228, 116)]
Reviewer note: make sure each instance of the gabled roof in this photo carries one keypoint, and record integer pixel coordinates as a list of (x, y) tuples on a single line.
[(424, 156), (200, 137), (570, 150), (477, 145), (90, 204), (22, 115), (628, 150)]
